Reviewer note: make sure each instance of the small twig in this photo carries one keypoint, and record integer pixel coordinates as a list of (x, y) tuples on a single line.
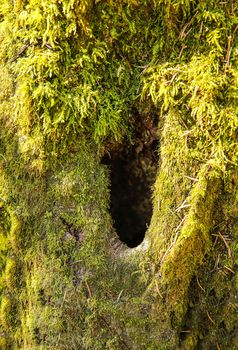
[(186, 331), (191, 178), (183, 33), (228, 53), (89, 290), (217, 262), (183, 205), (200, 284), (210, 318), (218, 347), (216, 239), (226, 244), (235, 29), (180, 224), (20, 53), (175, 239), (187, 132), (229, 269), (172, 79), (119, 296), (171, 245), (200, 31), (157, 289), (174, 69), (216, 267), (75, 262), (181, 51), (3, 157), (64, 298), (144, 68)]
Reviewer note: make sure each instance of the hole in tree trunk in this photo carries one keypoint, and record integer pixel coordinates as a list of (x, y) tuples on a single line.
[(132, 173)]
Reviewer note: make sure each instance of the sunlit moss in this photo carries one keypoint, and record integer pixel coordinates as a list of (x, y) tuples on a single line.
[(5, 312), (14, 234), (3, 342), (9, 272), (75, 78)]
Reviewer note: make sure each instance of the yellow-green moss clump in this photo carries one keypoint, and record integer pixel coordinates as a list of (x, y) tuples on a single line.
[(77, 77)]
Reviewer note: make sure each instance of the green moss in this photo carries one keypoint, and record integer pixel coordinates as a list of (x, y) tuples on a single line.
[(75, 78), (188, 251), (3, 342), (14, 234), (10, 271), (6, 306), (190, 342), (4, 220)]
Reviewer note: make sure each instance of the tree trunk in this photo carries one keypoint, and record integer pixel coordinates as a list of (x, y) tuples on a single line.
[(118, 175)]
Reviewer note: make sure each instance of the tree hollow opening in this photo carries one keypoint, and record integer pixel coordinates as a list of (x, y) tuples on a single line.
[(132, 174)]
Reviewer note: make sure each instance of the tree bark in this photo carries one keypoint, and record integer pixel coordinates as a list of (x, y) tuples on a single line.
[(118, 120)]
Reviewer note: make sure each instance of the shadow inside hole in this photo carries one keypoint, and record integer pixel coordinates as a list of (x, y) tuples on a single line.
[(132, 174)]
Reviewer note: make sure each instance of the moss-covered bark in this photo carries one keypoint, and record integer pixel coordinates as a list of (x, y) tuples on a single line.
[(77, 79)]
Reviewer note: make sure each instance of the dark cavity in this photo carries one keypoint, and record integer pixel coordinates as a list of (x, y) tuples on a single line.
[(132, 173)]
